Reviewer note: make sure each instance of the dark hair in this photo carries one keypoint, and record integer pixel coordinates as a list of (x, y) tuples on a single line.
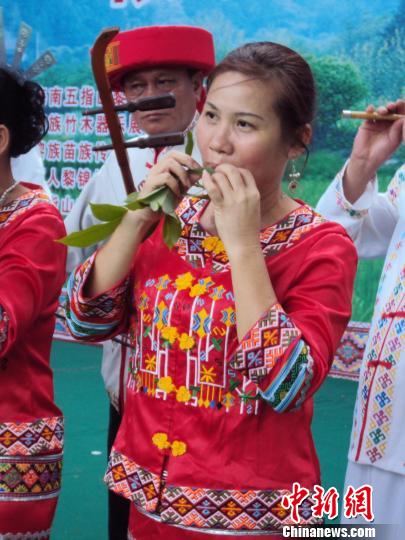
[(288, 71), (21, 111)]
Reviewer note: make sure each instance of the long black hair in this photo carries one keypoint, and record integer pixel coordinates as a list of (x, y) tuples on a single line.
[(21, 111)]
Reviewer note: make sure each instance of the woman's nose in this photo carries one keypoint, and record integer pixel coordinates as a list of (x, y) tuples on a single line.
[(220, 141)]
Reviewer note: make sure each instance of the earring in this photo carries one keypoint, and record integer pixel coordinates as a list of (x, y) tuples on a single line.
[(294, 177)]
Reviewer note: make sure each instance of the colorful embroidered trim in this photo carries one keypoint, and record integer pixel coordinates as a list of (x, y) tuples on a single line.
[(30, 478), (38, 535), (273, 356), (230, 510), (341, 199), (396, 184), (295, 375), (197, 248), (98, 316), (129, 480), (202, 508), (22, 204), (43, 436)]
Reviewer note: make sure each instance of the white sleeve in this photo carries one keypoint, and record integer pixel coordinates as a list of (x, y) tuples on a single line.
[(103, 187), (370, 221)]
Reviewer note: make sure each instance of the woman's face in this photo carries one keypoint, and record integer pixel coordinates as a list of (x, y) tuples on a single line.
[(239, 126)]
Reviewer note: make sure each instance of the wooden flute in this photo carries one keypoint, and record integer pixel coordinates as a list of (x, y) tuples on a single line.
[(362, 115)]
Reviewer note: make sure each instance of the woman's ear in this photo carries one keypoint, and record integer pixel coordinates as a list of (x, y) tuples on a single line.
[(4, 140), (304, 136)]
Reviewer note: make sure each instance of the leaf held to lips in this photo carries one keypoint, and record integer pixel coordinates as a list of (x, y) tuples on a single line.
[(171, 230), (107, 212), (91, 235), (189, 143)]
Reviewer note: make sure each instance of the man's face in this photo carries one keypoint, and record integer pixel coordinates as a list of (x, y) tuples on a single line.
[(156, 81)]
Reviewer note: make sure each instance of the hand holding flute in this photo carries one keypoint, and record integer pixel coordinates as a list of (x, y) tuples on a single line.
[(376, 140)]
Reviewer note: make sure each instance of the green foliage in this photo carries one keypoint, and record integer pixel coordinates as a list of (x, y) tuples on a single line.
[(339, 86)]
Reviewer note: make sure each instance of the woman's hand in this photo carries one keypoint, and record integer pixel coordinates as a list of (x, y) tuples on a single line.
[(374, 143), (236, 203), (171, 172)]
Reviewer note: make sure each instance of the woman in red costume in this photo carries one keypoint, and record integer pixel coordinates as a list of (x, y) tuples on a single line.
[(32, 268), (234, 329)]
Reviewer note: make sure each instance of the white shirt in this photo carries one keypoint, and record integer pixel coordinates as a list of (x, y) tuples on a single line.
[(29, 167), (376, 222)]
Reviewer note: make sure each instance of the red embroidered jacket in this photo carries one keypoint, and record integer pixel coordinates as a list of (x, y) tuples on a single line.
[(215, 431), (32, 271)]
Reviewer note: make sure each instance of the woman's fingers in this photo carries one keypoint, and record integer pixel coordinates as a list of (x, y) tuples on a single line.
[(212, 188)]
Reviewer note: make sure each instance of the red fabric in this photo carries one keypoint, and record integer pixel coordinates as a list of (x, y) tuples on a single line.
[(31, 517), (32, 271), (142, 527), (151, 46), (195, 407)]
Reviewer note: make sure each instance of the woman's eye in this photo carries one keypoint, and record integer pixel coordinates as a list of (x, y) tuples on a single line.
[(245, 125), (210, 115)]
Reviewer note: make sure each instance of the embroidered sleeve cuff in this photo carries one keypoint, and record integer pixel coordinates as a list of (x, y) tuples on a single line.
[(359, 208), (274, 356), (98, 317)]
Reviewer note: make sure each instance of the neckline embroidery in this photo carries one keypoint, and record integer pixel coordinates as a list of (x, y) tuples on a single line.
[(17, 206), (198, 248)]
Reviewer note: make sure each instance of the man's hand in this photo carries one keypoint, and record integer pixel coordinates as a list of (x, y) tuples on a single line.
[(374, 143)]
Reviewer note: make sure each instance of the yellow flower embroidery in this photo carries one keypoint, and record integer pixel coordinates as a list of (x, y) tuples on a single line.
[(183, 394), (166, 384), (219, 248), (210, 243), (186, 342), (179, 448), (197, 290), (160, 440), (184, 281), (169, 333)]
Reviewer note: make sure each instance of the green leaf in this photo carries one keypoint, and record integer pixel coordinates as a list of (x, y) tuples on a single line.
[(91, 235), (200, 170), (171, 230), (169, 203), (135, 205), (189, 144), (107, 212), (153, 196), (132, 197)]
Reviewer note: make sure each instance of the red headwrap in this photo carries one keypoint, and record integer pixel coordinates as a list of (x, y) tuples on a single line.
[(151, 46)]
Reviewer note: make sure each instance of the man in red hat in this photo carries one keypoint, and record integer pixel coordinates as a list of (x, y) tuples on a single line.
[(143, 62)]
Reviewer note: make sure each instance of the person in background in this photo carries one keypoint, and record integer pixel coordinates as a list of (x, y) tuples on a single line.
[(29, 167), (143, 62), (235, 328), (376, 222), (32, 271)]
